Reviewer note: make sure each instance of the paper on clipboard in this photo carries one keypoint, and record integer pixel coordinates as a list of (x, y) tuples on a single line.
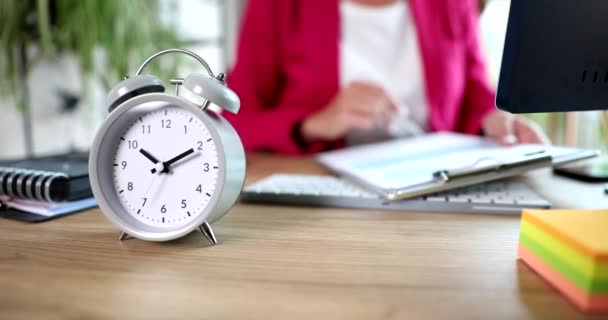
[(412, 164)]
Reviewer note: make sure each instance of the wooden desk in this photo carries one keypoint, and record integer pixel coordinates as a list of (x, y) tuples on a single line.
[(285, 263)]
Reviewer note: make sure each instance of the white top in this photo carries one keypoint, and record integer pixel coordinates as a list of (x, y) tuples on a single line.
[(380, 45)]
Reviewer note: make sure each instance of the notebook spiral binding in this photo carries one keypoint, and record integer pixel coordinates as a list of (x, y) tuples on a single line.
[(28, 184)]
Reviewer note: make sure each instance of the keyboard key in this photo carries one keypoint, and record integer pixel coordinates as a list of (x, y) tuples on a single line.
[(481, 200), (533, 202), (436, 199), (504, 201), (459, 199)]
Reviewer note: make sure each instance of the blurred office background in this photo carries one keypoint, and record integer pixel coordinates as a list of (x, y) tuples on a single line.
[(62, 96)]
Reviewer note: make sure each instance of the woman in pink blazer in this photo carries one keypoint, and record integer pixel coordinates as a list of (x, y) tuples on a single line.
[(294, 99)]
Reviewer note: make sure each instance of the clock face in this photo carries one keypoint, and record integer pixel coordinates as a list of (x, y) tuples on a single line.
[(166, 168)]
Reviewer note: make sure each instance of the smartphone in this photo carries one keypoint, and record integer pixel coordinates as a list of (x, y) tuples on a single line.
[(589, 172)]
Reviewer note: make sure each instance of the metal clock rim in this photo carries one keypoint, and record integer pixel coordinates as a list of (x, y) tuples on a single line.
[(94, 165)]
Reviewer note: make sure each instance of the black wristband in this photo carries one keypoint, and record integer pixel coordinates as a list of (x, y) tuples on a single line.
[(296, 135)]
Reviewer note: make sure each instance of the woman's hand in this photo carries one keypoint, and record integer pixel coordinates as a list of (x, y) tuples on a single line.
[(358, 106), (509, 129)]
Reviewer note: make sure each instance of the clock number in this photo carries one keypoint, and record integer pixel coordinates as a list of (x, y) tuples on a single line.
[(133, 144), (206, 167), (185, 129), (163, 209), (199, 189), (183, 204), (200, 145), (145, 200), (123, 164), (130, 186), (165, 124), (145, 129)]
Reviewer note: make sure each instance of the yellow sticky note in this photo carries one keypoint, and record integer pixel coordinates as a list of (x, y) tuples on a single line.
[(584, 230)]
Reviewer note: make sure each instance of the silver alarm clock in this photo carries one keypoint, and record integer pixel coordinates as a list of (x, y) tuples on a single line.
[(161, 165)]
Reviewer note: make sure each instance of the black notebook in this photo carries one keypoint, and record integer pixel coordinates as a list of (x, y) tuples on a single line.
[(44, 188), (51, 179)]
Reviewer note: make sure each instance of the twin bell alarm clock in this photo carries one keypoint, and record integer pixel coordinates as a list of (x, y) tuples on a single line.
[(161, 165)]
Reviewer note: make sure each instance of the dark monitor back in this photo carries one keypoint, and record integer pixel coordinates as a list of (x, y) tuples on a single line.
[(555, 57)]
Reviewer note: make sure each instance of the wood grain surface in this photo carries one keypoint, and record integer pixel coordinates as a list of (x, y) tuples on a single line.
[(277, 262)]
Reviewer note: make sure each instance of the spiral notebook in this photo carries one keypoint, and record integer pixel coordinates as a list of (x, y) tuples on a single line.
[(52, 179), (36, 189)]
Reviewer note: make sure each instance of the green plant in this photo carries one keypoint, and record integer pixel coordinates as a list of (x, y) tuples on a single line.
[(126, 31), (552, 123)]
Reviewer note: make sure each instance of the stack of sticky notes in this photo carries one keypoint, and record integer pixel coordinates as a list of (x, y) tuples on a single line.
[(569, 249)]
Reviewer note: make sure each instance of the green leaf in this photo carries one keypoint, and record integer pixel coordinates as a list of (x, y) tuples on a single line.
[(127, 31)]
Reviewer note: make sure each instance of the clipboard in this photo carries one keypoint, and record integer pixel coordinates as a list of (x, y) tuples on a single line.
[(443, 161)]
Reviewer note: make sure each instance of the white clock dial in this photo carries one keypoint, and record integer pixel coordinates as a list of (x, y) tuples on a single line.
[(166, 168)]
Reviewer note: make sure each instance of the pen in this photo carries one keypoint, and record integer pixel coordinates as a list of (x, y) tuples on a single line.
[(534, 153), (448, 175)]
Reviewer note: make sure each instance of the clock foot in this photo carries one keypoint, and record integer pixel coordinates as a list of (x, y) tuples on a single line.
[(123, 236), (206, 230)]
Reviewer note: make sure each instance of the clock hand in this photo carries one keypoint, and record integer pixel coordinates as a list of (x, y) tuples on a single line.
[(184, 160), (167, 164), (153, 159), (150, 157), (153, 186)]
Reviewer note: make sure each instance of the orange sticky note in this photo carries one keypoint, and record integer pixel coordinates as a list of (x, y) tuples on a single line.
[(597, 303)]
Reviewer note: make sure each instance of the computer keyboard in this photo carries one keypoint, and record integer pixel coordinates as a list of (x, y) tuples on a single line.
[(317, 190)]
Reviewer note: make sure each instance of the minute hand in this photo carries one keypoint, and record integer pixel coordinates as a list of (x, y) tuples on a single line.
[(167, 164)]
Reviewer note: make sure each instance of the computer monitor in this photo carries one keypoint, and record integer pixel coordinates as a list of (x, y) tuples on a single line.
[(555, 57)]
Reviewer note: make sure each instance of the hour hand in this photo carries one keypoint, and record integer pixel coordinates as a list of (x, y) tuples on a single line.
[(148, 155)]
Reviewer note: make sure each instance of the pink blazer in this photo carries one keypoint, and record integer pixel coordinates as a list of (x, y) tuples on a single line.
[(287, 68)]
